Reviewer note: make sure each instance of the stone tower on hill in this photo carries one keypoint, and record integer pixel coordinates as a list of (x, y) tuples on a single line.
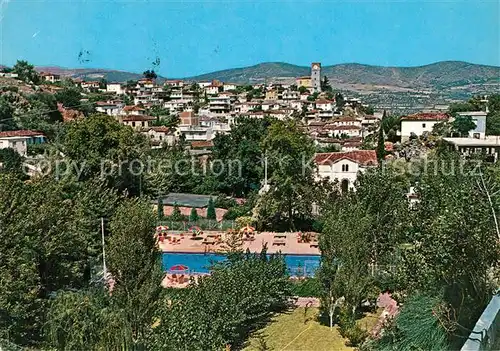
[(316, 76)]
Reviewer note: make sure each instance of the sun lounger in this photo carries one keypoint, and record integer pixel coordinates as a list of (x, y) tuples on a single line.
[(208, 241), (279, 242)]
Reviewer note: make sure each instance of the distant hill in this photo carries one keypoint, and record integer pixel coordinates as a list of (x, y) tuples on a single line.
[(93, 73), (439, 74)]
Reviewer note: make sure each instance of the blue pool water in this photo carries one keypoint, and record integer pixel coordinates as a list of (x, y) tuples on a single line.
[(298, 265)]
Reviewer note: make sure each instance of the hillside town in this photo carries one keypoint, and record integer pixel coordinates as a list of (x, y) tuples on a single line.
[(197, 112), (159, 203)]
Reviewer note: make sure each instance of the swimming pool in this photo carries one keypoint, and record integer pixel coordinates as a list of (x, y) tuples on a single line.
[(298, 265)]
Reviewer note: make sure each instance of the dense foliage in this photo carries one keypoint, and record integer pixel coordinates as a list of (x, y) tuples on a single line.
[(224, 308)]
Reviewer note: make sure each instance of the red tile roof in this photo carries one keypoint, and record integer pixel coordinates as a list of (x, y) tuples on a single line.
[(202, 144), (363, 157), (20, 133), (323, 101), (186, 114), (426, 116), (133, 108), (161, 129)]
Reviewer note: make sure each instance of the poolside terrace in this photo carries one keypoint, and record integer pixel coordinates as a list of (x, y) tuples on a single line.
[(213, 241)]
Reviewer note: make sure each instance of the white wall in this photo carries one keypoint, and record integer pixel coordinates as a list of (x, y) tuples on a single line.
[(18, 144), (417, 127), (336, 171)]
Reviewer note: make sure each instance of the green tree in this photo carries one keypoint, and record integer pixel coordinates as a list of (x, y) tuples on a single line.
[(302, 89), (135, 266), (454, 245), (101, 147), (211, 209), (494, 102), (463, 124), (325, 85), (289, 152), (7, 121), (11, 162), (345, 256), (381, 140), (69, 97), (176, 213), (150, 74), (159, 208), (239, 153), (339, 101), (193, 216), (26, 72), (493, 123), (225, 307), (94, 318), (51, 237)]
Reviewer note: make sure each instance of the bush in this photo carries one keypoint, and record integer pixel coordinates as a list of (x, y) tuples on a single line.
[(310, 287), (176, 214), (349, 329), (243, 221), (356, 335)]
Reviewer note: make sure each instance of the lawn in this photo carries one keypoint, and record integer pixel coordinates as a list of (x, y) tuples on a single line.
[(299, 330)]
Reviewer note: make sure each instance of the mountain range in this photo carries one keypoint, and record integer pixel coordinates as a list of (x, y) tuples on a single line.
[(433, 76)]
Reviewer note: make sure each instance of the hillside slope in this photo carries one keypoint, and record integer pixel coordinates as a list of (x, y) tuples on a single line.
[(439, 74)]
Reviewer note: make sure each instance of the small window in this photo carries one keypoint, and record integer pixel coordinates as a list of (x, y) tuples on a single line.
[(345, 168), (423, 125)]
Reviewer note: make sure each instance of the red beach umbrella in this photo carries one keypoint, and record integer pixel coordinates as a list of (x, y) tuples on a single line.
[(179, 267)]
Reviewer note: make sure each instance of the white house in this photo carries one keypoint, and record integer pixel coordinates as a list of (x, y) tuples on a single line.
[(344, 166), (204, 84), (159, 135), (111, 108), (212, 90), (324, 105), (91, 85), (175, 105), (176, 83), (290, 95), (134, 110), (20, 139), (136, 121), (114, 88), (229, 86), (420, 123), (479, 117), (50, 77), (349, 130)]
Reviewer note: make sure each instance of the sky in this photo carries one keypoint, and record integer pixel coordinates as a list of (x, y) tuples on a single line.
[(186, 38)]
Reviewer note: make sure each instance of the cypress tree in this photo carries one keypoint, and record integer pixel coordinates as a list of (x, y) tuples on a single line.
[(211, 210), (159, 207), (381, 140), (193, 216)]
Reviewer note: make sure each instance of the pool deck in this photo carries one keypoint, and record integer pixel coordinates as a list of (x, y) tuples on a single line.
[(286, 243)]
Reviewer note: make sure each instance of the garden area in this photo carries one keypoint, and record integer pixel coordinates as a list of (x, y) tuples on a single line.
[(300, 329)]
